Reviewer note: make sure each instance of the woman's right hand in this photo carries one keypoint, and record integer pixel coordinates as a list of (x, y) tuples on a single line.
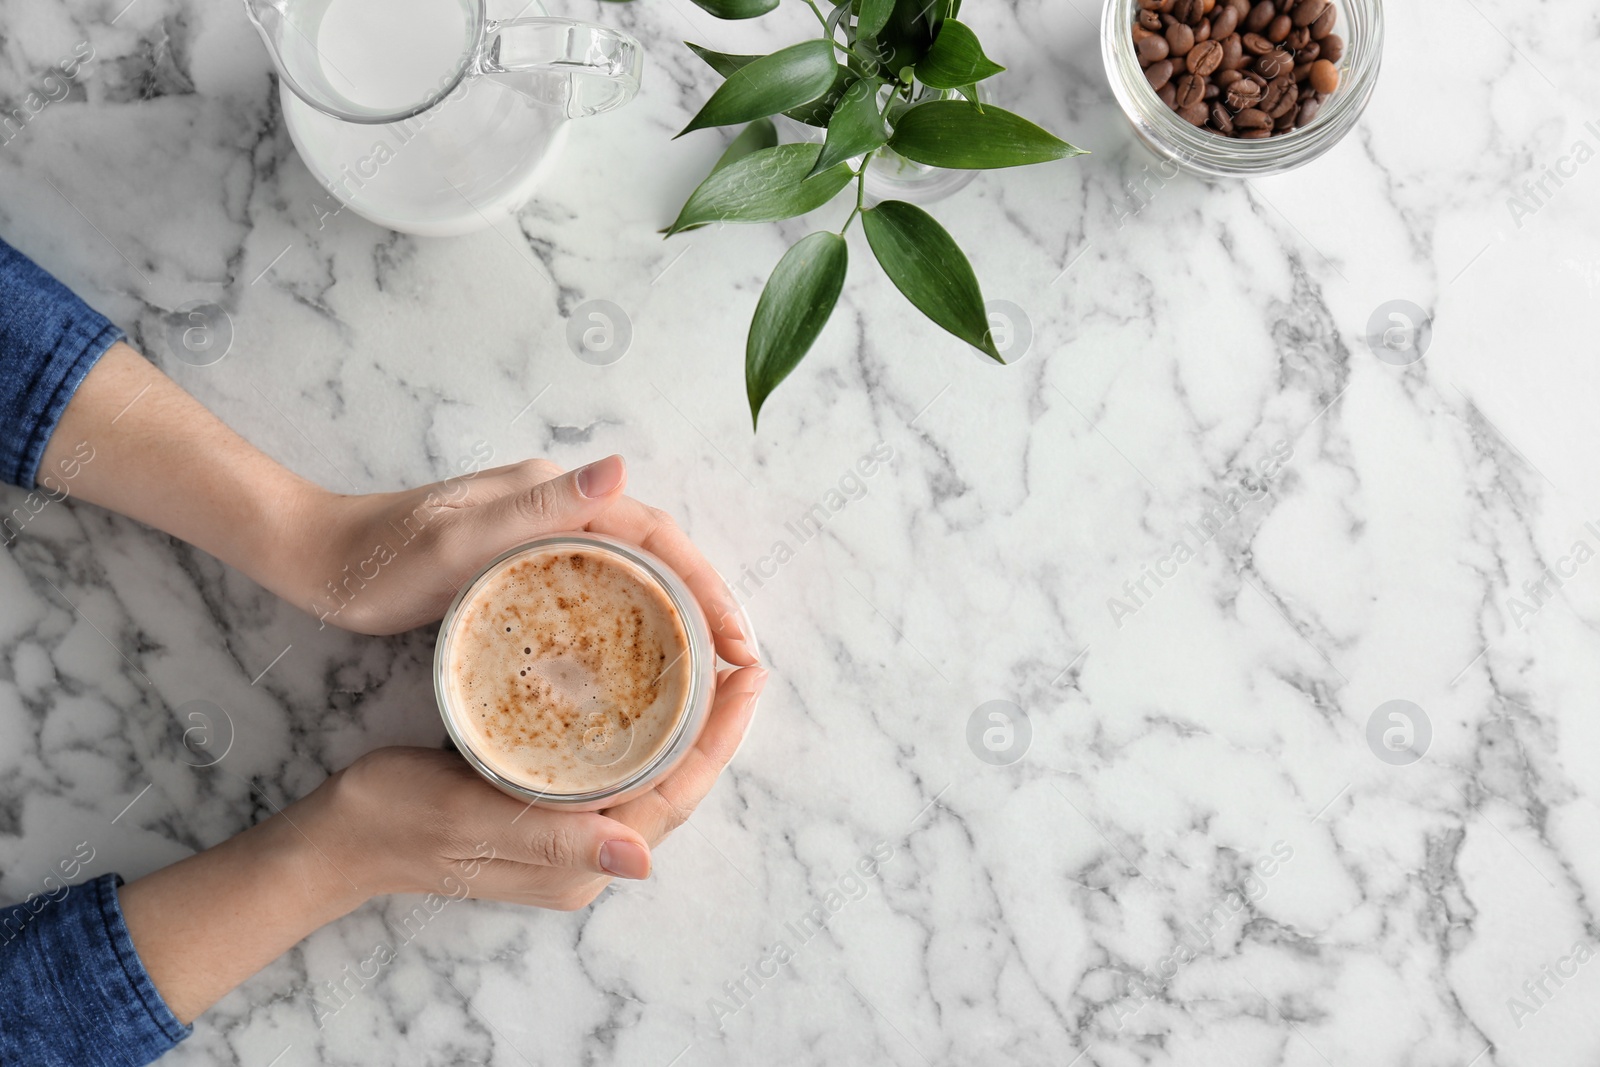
[(417, 820)]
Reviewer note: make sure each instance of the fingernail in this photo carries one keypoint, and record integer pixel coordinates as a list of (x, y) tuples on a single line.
[(625, 859), (746, 712), (600, 477), (750, 701), (736, 624)]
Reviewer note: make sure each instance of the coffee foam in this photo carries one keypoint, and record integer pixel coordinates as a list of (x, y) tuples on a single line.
[(568, 669)]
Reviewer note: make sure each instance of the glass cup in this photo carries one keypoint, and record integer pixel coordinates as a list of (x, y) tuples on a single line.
[(1212, 155), (590, 748)]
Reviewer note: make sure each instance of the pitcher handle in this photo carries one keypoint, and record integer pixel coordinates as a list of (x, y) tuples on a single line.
[(577, 68)]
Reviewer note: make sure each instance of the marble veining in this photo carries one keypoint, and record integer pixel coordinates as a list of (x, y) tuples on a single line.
[(1199, 859)]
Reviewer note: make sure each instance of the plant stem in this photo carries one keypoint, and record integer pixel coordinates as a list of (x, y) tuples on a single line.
[(861, 194)]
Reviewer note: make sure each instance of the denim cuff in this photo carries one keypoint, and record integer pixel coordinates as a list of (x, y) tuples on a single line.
[(49, 340), (73, 990)]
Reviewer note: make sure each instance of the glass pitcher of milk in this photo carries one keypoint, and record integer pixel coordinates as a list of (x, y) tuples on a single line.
[(427, 116)]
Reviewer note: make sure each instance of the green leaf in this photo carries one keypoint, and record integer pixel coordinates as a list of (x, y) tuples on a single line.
[(819, 112), (736, 9), (927, 265), (764, 186), (815, 113), (956, 59), (874, 16), (909, 32), (787, 78), (758, 135), (959, 136), (856, 127), (721, 62), (793, 308)]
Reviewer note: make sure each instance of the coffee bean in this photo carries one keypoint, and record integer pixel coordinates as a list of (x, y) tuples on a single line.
[(1308, 11), (1191, 90), (1180, 38), (1205, 59), (1324, 76), (1232, 52), (1270, 97), (1152, 49), (1287, 104), (1242, 94), (1324, 24), (1240, 69), (1273, 64)]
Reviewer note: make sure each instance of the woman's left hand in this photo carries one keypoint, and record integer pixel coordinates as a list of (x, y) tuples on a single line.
[(389, 562)]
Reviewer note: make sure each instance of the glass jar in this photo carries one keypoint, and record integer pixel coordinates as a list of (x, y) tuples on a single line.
[(1205, 152), (891, 176), (642, 772)]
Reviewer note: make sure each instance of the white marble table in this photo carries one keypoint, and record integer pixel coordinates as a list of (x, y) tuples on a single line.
[(1180, 341)]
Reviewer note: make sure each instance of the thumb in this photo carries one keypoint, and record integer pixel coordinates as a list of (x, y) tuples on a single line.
[(586, 841), (564, 503)]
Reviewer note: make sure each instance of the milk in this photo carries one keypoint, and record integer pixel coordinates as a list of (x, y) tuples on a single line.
[(464, 164), (390, 55)]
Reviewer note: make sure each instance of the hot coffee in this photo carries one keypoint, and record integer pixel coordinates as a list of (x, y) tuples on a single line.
[(569, 669)]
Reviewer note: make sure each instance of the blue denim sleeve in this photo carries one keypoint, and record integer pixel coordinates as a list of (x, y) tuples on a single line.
[(73, 992), (49, 339)]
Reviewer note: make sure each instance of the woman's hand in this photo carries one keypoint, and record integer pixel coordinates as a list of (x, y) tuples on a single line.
[(132, 441), (417, 820), (389, 562), (402, 820)]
